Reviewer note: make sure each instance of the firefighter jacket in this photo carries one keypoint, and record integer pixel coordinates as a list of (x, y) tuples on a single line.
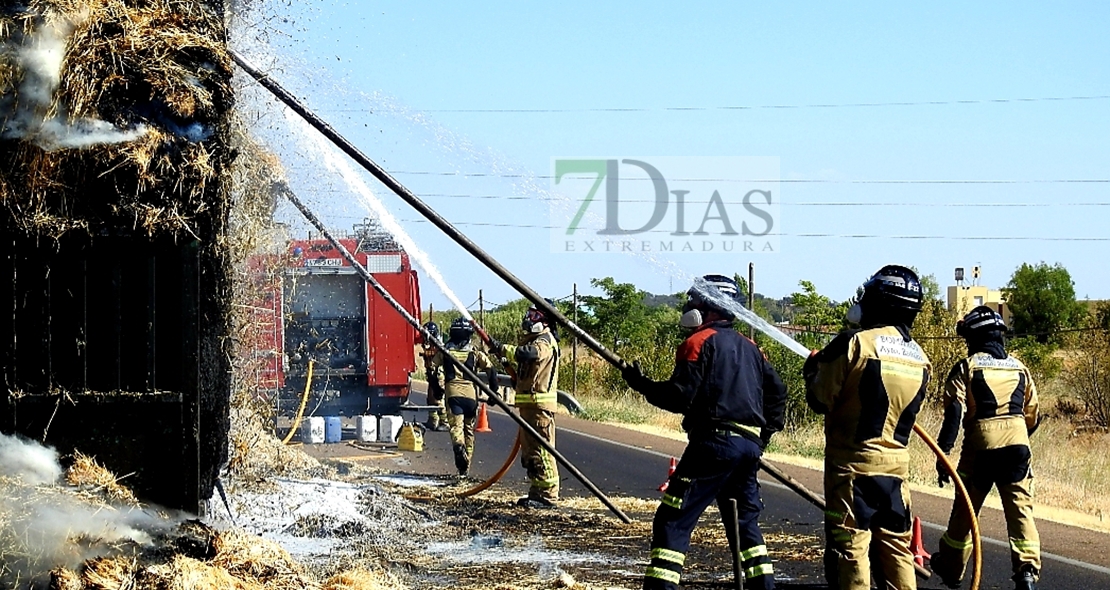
[(870, 385), (454, 381), (721, 381), (996, 400), (537, 360)]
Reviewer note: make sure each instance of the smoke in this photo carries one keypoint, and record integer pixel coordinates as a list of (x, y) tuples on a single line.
[(29, 110), (45, 524)]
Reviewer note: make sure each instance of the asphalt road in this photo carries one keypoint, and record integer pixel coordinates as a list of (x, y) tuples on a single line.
[(630, 463)]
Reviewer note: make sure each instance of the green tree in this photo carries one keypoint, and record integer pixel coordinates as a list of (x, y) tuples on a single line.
[(1042, 300)]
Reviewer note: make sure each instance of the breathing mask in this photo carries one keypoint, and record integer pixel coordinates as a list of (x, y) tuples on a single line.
[(855, 314), (533, 321)]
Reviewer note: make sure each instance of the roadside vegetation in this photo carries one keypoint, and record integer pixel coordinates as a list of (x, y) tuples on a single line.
[(1065, 342)]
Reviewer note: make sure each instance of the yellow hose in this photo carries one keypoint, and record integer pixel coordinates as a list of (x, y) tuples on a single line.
[(496, 476), (300, 410), (976, 539)]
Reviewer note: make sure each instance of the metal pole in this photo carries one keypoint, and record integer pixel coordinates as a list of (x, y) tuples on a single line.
[(466, 371), (751, 297), (481, 309), (574, 346), (408, 196), (737, 564)]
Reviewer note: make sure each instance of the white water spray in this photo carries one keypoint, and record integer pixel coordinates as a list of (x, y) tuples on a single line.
[(336, 162), (711, 293)]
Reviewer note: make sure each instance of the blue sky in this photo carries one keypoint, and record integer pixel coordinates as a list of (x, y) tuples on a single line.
[(389, 75)]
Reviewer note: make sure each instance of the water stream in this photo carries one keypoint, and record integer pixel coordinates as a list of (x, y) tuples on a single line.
[(339, 164)]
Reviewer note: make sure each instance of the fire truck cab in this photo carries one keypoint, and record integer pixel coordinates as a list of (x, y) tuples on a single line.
[(360, 347)]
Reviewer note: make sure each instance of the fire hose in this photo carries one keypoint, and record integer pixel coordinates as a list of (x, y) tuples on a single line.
[(300, 410), (504, 274), (496, 477)]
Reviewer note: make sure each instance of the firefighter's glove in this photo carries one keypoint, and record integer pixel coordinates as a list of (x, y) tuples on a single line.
[(634, 376), (809, 368), (765, 438), (942, 474), (496, 347)]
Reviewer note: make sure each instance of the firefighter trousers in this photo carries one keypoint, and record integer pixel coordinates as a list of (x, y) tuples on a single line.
[(861, 510), (437, 417), (1017, 505), (543, 471), (721, 466), (461, 418)]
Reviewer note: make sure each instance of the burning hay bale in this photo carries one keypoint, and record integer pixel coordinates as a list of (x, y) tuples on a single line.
[(88, 475), (112, 111)]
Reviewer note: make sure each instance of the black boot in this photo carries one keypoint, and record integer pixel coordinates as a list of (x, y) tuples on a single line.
[(462, 463), (937, 563), (1025, 579)]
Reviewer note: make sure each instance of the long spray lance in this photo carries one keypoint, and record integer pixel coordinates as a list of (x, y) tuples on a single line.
[(462, 368), (612, 358)]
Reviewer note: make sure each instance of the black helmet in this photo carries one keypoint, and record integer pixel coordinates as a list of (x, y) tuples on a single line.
[(461, 330), (433, 330), (894, 287), (979, 323), (535, 318)]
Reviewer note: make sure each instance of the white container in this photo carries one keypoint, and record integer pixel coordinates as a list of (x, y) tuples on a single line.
[(312, 430), (388, 428), (366, 428), (333, 429)]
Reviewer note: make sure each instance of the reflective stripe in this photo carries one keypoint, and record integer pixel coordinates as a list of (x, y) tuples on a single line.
[(757, 551), (961, 545), (668, 555), (672, 501), (663, 574), (536, 398), (834, 515), (839, 535), (1023, 545), (749, 429), (763, 569)]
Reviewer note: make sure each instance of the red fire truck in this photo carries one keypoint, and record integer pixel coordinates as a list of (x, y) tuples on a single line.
[(316, 307)]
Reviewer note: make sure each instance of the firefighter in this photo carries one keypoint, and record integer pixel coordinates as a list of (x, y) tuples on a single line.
[(732, 401), (537, 398), (437, 419), (869, 384), (994, 396), (461, 393)]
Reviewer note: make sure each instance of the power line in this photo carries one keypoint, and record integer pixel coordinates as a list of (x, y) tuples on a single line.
[(802, 235), (779, 180), (941, 181), (748, 107)]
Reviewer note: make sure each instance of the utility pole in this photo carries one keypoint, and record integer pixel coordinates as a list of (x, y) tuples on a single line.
[(481, 310), (574, 346), (751, 296)]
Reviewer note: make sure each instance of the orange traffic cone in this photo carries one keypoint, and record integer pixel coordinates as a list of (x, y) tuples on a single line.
[(917, 544), (670, 472), (483, 420)]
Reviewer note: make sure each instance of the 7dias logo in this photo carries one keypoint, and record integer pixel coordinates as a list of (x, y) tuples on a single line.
[(665, 204)]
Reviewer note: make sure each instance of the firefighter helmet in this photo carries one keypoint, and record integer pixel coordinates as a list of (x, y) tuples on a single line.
[(432, 329), (894, 287), (980, 321), (461, 330)]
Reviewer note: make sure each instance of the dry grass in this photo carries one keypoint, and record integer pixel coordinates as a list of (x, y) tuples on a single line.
[(87, 474)]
